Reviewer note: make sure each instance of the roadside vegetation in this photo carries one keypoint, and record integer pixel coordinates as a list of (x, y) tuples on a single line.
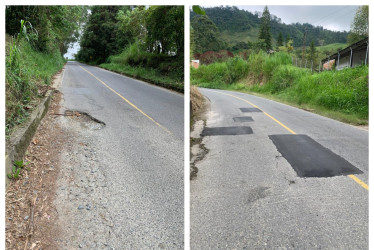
[(266, 67), (145, 43), (340, 94), (36, 39)]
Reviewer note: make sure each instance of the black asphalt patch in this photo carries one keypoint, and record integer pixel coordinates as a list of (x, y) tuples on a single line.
[(243, 130), (245, 110), (243, 119), (310, 159)]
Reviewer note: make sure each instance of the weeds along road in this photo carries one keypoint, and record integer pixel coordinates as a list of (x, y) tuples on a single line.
[(120, 184), (277, 177)]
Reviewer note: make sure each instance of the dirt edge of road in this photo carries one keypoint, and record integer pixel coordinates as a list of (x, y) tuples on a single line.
[(197, 147), (30, 212)]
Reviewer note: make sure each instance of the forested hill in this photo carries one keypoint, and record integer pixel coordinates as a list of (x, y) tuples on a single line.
[(234, 25)]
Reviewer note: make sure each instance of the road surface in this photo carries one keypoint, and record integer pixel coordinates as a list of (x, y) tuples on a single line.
[(271, 180), (121, 180)]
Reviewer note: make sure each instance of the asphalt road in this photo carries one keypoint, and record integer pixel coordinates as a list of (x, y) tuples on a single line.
[(121, 185), (248, 195)]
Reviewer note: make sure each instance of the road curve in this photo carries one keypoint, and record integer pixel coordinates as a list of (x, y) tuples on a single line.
[(121, 186), (249, 193)]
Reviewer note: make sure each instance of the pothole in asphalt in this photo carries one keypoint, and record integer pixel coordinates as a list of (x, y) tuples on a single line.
[(310, 159), (85, 119), (243, 119), (246, 110), (242, 130)]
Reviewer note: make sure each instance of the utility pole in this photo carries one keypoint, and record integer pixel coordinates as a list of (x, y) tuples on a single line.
[(304, 44)]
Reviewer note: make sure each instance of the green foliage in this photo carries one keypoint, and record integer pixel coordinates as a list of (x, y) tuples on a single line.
[(205, 35), (341, 94), (198, 10), (99, 39), (165, 29), (237, 25), (280, 39), (360, 25), (161, 69), (16, 169), (224, 73), (29, 69), (56, 26), (264, 32)]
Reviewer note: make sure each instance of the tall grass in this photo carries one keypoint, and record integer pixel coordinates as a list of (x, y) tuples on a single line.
[(160, 69), (345, 91), (24, 73)]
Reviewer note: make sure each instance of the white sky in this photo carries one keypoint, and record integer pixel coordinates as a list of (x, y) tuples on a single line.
[(336, 17)]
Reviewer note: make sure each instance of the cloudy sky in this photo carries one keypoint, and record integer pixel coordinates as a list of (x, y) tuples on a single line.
[(338, 17)]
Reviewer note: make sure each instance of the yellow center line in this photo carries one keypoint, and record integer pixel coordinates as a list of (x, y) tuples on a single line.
[(284, 126), (360, 182), (353, 177), (130, 103)]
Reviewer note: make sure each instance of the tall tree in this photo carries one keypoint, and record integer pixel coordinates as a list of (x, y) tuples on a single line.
[(287, 38), (205, 35), (265, 28), (312, 53), (99, 39), (165, 29), (280, 39), (57, 26), (360, 25)]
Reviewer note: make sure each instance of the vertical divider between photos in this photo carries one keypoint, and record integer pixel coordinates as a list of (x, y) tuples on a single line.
[(186, 127)]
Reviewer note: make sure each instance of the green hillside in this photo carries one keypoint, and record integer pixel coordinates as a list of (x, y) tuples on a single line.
[(235, 26)]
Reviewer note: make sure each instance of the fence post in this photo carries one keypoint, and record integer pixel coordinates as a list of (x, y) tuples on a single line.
[(311, 67), (367, 50), (350, 59), (319, 67)]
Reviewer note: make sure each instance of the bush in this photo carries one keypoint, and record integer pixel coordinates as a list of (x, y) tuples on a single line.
[(237, 69), (28, 70)]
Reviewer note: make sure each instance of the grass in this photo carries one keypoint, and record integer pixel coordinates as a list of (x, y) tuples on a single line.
[(159, 69), (341, 95), (146, 74), (28, 70), (232, 38)]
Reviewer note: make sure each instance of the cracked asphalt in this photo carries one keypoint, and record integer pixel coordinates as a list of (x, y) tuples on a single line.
[(120, 185), (247, 195)]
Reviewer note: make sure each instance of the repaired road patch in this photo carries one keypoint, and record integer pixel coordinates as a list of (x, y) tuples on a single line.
[(246, 110), (310, 159), (243, 119), (242, 130)]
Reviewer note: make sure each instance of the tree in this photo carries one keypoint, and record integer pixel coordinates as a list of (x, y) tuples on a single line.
[(312, 53), (206, 35), (265, 28), (57, 26), (360, 25), (165, 29), (280, 39), (99, 39)]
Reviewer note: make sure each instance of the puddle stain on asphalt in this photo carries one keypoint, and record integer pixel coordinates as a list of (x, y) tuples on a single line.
[(258, 193), (310, 159)]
